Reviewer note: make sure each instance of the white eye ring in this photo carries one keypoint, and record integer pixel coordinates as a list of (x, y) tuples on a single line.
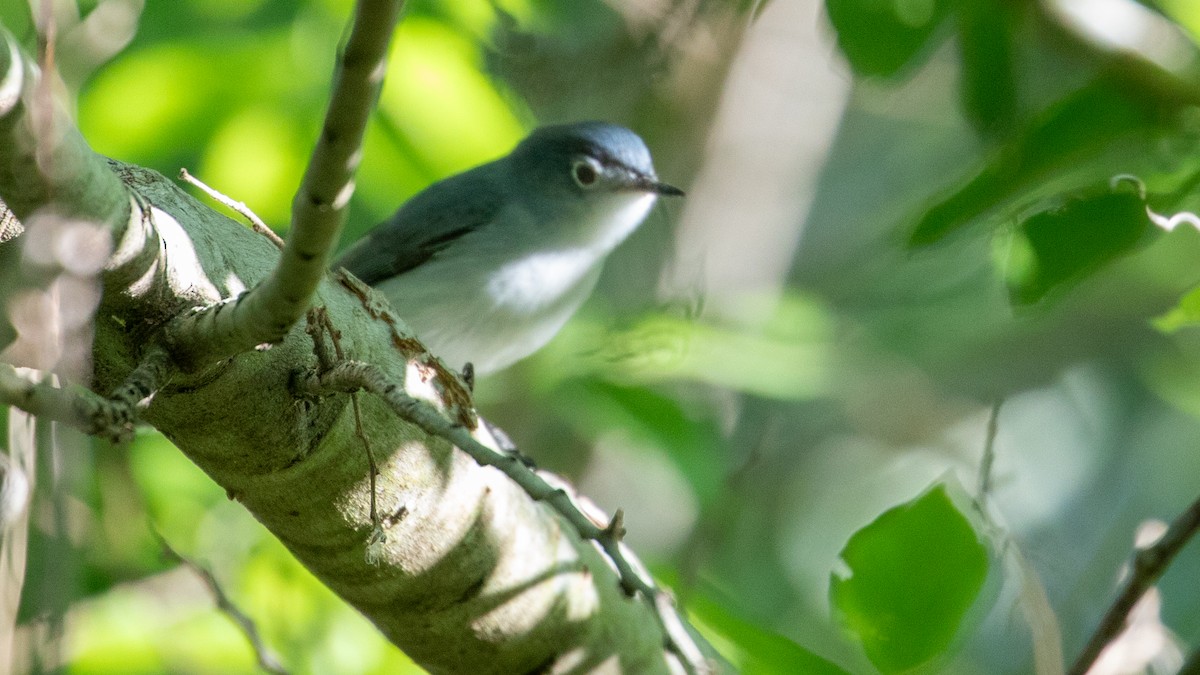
[(585, 172)]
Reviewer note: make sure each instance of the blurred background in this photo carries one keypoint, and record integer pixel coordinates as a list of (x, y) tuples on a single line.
[(902, 222)]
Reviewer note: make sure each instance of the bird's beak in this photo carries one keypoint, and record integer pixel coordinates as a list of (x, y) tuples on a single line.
[(665, 190), (652, 184)]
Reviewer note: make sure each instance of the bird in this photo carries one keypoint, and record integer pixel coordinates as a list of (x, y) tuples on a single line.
[(486, 266)]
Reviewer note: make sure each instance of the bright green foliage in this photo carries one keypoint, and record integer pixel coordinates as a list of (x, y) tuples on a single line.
[(989, 87), (1186, 313), (786, 357), (911, 576), (880, 37), (1079, 141), (1078, 238), (1185, 12)]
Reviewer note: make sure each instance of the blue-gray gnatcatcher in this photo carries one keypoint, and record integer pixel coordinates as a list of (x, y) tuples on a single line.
[(486, 266)]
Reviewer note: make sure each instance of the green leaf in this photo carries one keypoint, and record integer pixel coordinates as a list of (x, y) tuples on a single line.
[(880, 37), (911, 576), (1064, 244), (1186, 313), (1084, 138), (989, 88)]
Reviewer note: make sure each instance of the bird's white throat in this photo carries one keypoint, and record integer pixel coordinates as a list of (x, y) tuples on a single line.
[(543, 277)]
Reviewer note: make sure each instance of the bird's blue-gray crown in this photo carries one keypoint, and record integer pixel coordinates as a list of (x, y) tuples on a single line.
[(588, 156)]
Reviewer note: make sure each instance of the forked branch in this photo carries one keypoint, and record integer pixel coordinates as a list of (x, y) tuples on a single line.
[(265, 314)]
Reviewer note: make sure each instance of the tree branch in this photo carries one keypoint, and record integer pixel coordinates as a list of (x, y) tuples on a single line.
[(350, 376), (474, 575), (112, 418), (23, 389), (267, 312), (1148, 565)]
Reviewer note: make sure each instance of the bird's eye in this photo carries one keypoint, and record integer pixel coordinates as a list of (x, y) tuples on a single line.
[(584, 172)]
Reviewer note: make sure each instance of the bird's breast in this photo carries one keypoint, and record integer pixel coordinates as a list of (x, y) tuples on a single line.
[(564, 253), (540, 279)]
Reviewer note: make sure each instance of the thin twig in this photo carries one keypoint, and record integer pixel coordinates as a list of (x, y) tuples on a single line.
[(267, 660), (989, 455), (377, 536), (351, 376), (454, 390), (1148, 565), (320, 326), (150, 375), (113, 417), (1043, 625), (256, 223)]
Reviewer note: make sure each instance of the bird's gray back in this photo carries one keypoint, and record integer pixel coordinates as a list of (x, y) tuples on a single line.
[(427, 223)]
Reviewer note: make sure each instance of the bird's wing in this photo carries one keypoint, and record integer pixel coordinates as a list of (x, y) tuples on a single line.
[(422, 227)]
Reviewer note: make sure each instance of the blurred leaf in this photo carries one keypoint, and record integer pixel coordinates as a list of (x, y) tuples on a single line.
[(166, 628), (436, 91), (1186, 13), (183, 99), (690, 441), (911, 576), (1067, 145), (227, 10), (787, 357), (989, 88), (184, 86), (167, 21), (305, 622), (1186, 313), (267, 183), (880, 37), (752, 649), (177, 493), (16, 17), (1066, 243), (1172, 375)]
